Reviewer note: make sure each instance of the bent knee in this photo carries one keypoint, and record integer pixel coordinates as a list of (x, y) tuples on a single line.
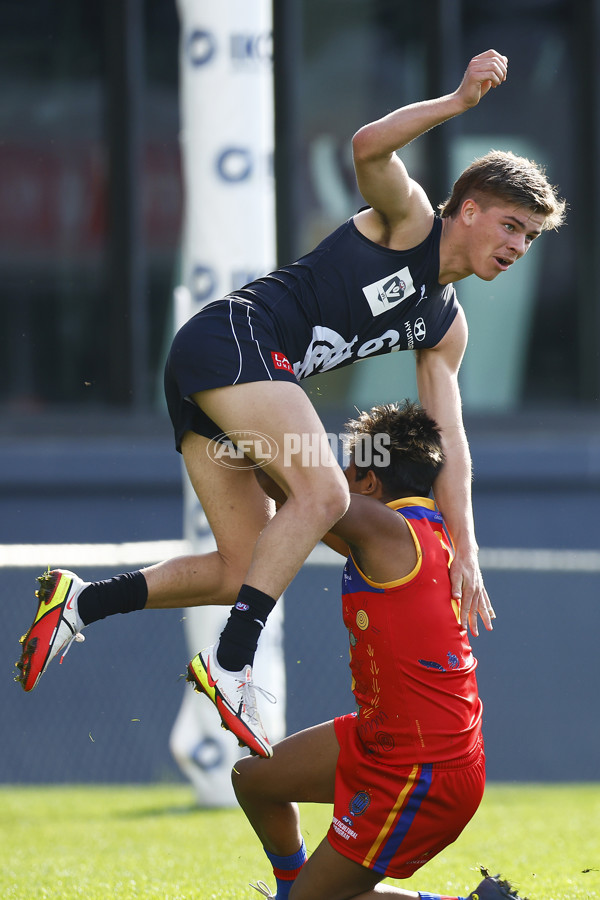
[(338, 502), (330, 498), (234, 568), (244, 776)]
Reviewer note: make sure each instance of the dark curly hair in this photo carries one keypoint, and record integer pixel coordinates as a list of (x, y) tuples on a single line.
[(413, 442)]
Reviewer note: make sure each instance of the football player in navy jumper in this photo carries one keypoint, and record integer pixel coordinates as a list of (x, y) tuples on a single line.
[(381, 282)]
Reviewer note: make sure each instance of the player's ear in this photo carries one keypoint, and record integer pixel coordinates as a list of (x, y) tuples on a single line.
[(468, 210), (370, 484)]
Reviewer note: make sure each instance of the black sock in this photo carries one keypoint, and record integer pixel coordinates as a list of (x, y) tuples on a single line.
[(239, 638), (121, 594)]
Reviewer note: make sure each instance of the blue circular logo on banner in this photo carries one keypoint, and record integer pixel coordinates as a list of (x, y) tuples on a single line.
[(208, 754), (204, 282), (235, 164), (201, 47), (251, 47)]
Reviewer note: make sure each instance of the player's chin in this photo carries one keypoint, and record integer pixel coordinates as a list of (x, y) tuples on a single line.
[(488, 275), (490, 269)]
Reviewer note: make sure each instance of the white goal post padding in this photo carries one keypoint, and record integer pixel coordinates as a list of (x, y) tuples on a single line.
[(227, 143)]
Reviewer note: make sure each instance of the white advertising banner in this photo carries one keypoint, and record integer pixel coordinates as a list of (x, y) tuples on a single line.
[(227, 138), (227, 135)]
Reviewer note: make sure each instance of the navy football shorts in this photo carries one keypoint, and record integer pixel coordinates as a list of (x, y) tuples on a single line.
[(228, 342)]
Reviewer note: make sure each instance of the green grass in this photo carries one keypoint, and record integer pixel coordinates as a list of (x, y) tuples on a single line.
[(122, 843)]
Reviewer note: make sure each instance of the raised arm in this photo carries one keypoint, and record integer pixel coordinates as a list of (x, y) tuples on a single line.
[(382, 177), (437, 379)]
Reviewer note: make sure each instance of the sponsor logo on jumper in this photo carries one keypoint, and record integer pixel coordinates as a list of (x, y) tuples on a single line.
[(423, 295), (328, 350), (389, 291), (280, 361), (420, 330), (409, 335)]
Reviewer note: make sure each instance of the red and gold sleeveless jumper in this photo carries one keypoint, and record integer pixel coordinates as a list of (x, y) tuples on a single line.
[(411, 766)]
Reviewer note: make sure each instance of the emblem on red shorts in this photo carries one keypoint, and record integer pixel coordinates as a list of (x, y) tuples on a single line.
[(280, 361), (359, 803)]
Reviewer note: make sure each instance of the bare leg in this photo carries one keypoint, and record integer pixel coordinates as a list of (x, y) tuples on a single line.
[(330, 876), (252, 545), (302, 770), (316, 489), (236, 523)]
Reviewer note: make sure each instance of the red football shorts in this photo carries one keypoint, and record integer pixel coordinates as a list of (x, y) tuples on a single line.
[(394, 819)]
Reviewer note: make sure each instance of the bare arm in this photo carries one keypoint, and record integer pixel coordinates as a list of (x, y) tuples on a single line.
[(377, 537), (437, 379), (276, 493), (382, 177)]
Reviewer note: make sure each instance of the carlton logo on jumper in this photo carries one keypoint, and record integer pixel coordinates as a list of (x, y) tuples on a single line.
[(328, 349), (389, 291)]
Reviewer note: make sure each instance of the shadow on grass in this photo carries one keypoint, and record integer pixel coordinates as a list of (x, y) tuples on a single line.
[(183, 810)]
